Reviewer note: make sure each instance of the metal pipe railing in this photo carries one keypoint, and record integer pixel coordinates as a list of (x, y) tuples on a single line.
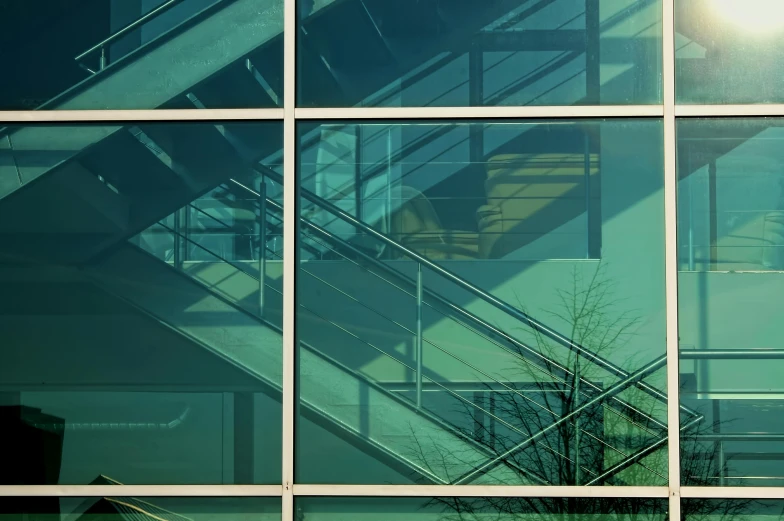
[(419, 337), (262, 223), (741, 436), (627, 461), (613, 390), (490, 299), (551, 364), (634, 458), (630, 459), (731, 354), (125, 30)]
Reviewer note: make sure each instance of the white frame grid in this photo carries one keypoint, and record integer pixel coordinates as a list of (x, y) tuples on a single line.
[(289, 115)]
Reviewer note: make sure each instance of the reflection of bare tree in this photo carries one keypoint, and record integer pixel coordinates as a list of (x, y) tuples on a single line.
[(699, 468), (545, 509), (539, 417), (615, 509), (539, 421)]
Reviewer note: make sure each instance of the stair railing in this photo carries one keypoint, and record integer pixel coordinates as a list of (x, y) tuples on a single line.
[(102, 45), (493, 461), (523, 317)]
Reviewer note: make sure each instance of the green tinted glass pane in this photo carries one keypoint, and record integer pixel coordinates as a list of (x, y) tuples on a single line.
[(122, 508), (731, 234), (475, 508), (141, 311), (470, 305), (728, 51), (141, 54), (465, 53), (732, 509)]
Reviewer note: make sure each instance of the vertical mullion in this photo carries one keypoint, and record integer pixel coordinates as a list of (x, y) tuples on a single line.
[(289, 253), (671, 255)]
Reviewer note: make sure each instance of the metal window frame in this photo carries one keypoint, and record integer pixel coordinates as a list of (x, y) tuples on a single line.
[(671, 257), (667, 111), (393, 113), (290, 221)]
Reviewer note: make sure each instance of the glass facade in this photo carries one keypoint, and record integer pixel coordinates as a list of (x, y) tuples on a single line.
[(141, 54), (544, 508), (727, 51), (283, 259), (413, 234), (746, 509), (121, 508), (731, 194), (142, 303), (453, 54)]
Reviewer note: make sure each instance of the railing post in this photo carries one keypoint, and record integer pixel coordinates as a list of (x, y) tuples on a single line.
[(587, 177), (177, 239), (577, 426), (419, 337), (719, 444), (262, 243), (102, 62), (186, 231)]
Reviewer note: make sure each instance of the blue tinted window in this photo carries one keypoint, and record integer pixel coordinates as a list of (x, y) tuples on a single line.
[(508, 52)]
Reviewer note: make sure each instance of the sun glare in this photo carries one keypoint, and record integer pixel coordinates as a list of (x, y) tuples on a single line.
[(752, 15)]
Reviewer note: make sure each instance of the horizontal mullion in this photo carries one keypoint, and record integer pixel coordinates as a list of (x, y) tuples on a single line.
[(141, 490), (477, 491), (551, 112), (57, 116), (729, 110), (733, 492), (384, 490)]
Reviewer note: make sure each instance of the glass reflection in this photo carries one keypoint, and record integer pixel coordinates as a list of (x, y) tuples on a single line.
[(118, 508), (730, 208), (732, 509), (728, 51), (141, 54), (480, 284), (463, 53), (141, 309), (475, 508)]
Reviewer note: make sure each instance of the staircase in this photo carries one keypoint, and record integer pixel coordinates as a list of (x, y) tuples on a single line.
[(393, 421)]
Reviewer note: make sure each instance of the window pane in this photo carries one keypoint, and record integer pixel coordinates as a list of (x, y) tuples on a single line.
[(726, 509), (474, 508), (140, 509), (729, 286), (728, 51), (466, 53), (141, 54), (532, 325), (137, 339)]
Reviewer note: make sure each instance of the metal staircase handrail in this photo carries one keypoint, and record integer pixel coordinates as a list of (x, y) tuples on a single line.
[(487, 297), (466, 314), (631, 458), (272, 384), (636, 457), (611, 392), (628, 459), (154, 13), (381, 351), (432, 417)]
